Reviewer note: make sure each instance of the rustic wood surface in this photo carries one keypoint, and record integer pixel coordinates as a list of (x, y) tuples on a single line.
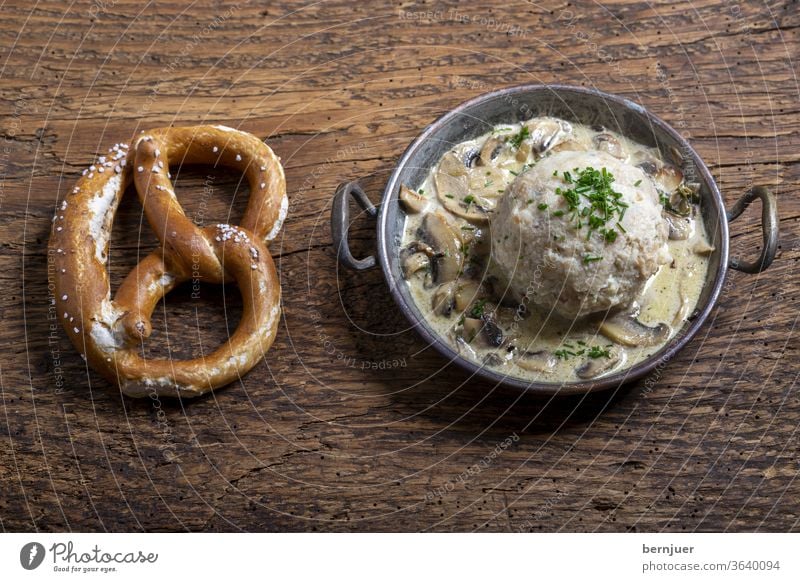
[(351, 423)]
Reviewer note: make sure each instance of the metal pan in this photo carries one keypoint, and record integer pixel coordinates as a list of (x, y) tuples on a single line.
[(575, 104)]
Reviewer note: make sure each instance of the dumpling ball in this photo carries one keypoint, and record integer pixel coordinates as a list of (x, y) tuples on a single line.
[(579, 233)]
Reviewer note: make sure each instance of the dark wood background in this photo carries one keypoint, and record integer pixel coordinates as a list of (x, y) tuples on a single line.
[(351, 423)]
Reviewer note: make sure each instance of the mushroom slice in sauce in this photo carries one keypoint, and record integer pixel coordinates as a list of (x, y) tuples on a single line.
[(667, 175), (494, 360), (471, 158), (466, 294), (414, 263), (420, 247), (570, 145), (627, 330), (594, 367), (471, 328), (490, 149), (463, 347), (546, 132), (440, 236), (413, 202), (443, 299), (538, 361), (684, 305), (452, 188), (606, 142), (491, 331), (484, 329), (680, 228)]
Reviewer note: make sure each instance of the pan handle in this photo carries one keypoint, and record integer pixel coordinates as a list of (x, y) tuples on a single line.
[(769, 228), (340, 224)]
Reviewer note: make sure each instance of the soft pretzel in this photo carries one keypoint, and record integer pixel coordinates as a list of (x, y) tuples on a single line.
[(109, 332)]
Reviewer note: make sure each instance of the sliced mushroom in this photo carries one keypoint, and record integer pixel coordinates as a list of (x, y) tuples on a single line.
[(463, 347), (420, 247), (466, 293), (702, 248), (447, 262), (471, 328), (491, 331), (679, 204), (545, 132), (649, 167), (494, 360), (611, 145), (452, 188), (415, 263), (684, 307), (413, 202), (491, 148), (538, 361), (667, 175), (594, 367), (680, 228), (443, 299), (570, 145), (523, 151), (626, 329), (470, 157), (676, 155)]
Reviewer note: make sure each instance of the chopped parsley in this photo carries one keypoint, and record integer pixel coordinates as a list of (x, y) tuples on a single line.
[(517, 139), (598, 352), (592, 202), (591, 258), (421, 191), (637, 183), (568, 350), (478, 309), (469, 199), (542, 206)]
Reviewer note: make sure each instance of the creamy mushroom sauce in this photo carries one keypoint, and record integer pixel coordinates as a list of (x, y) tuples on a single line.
[(509, 336)]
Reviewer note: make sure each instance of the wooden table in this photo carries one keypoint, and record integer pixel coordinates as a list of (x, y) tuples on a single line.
[(351, 423)]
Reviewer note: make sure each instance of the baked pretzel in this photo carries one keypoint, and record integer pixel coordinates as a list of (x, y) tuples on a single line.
[(109, 332)]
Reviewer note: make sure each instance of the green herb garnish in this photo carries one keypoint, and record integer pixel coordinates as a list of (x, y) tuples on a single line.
[(542, 206), (478, 309), (593, 202), (598, 352), (517, 139), (567, 351)]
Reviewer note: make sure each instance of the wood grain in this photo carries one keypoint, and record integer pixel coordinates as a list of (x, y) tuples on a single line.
[(351, 423)]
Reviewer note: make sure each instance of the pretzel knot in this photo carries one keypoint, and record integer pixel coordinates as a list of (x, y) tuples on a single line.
[(109, 332)]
